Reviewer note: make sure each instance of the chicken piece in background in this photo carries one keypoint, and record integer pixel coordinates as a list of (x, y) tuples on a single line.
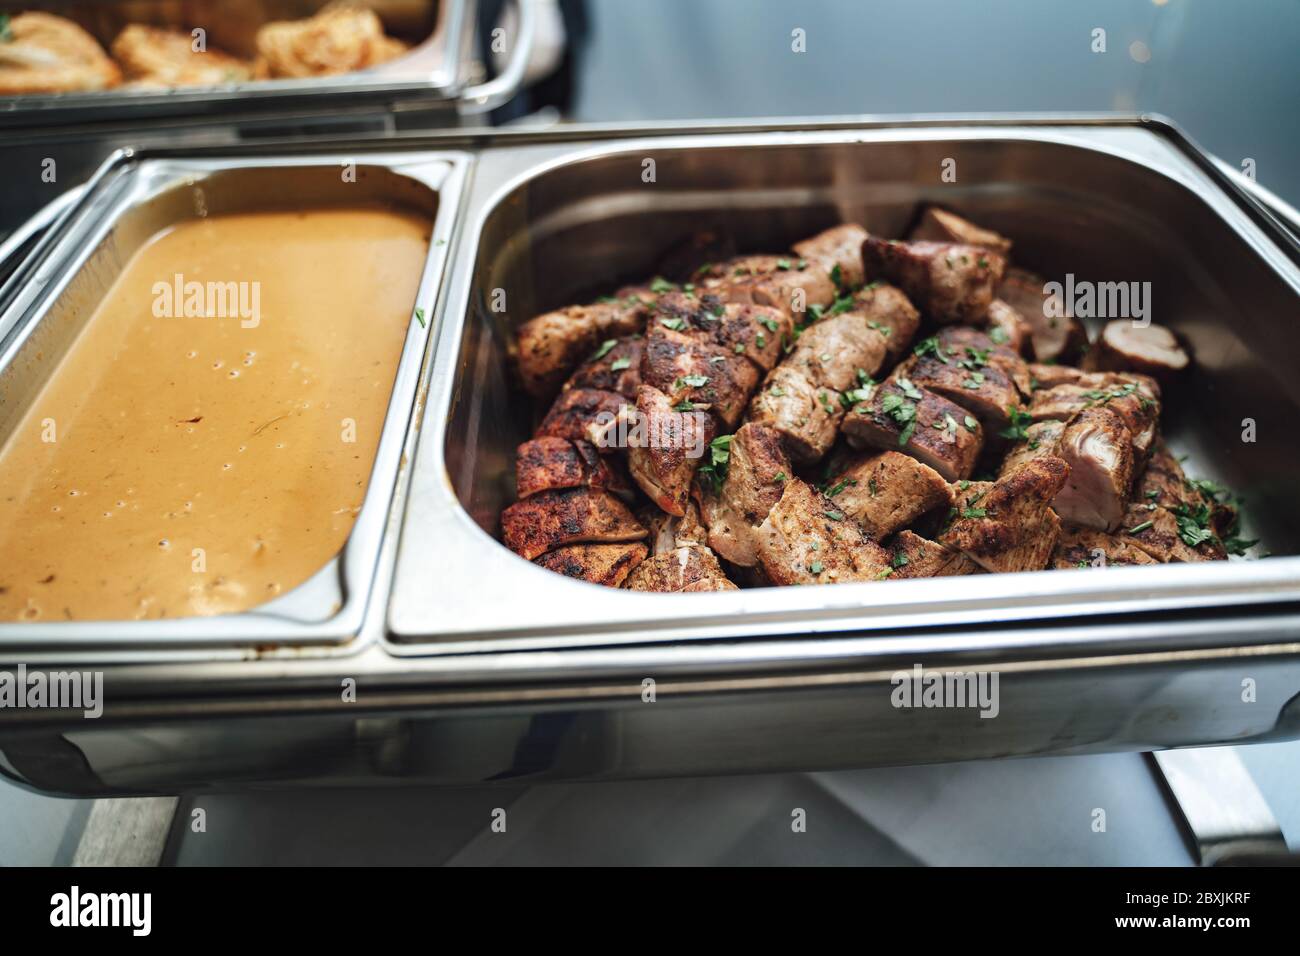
[(887, 491), (150, 56), (1009, 525), (949, 282), (912, 556), (604, 564), (42, 53), (339, 39), (1086, 548), (807, 540), (685, 569)]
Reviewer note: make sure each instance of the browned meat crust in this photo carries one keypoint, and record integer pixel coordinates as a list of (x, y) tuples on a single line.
[(757, 471), (805, 540), (548, 347), (755, 332), (551, 519), (806, 416), (838, 252), (1054, 336), (671, 447), (582, 414), (901, 417), (682, 570), (949, 282), (887, 491), (615, 366), (889, 312), (912, 556), (1098, 448), (1008, 525), (1124, 347), (605, 564), (50, 54), (939, 225), (550, 464), (1086, 548), (1156, 531), (693, 373)]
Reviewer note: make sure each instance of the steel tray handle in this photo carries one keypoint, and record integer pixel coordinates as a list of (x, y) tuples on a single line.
[(33, 227), (485, 97), (1281, 210)]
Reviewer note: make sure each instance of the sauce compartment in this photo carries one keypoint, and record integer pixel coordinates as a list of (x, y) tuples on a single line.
[(204, 392)]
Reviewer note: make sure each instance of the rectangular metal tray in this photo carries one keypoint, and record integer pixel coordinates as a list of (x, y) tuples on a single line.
[(431, 71), (472, 665), (47, 300), (552, 224)]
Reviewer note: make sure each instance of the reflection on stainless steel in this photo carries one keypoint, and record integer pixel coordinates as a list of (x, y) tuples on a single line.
[(473, 665), (49, 304), (1220, 803)]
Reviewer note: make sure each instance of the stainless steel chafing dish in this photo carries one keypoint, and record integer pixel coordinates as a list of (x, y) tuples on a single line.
[(472, 664)]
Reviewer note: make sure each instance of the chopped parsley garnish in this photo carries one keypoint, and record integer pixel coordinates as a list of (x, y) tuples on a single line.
[(999, 335), (783, 265), (931, 346), (834, 515), (620, 363), (715, 470), (675, 324), (1020, 422), (816, 567), (899, 560), (902, 412), (419, 314), (684, 406), (974, 512), (971, 425), (778, 391), (691, 381), (837, 276), (660, 284), (908, 389), (973, 381), (1138, 529), (780, 476), (605, 348), (840, 486)]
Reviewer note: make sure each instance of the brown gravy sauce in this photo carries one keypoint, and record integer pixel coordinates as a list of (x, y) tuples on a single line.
[(175, 466)]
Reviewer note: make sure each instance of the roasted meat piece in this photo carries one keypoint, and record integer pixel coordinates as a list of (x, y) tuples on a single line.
[(1086, 548), (1135, 398), (669, 447), (972, 349), (949, 282), (43, 53), (583, 414), (902, 417), (552, 519), (606, 564), (838, 352), (1041, 439), (888, 311), (838, 252), (1054, 334), (806, 416), (1166, 536), (756, 332), (939, 225), (1163, 482), (774, 281), (757, 470), (615, 366), (806, 540), (549, 346), (152, 56), (887, 491), (1098, 448), (967, 379), (339, 39), (694, 373), (1126, 347), (912, 556), (1009, 525), (682, 570), (550, 464)]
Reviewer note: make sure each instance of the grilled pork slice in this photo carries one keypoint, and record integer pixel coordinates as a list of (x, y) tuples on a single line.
[(1086, 548), (1167, 537), (972, 349), (912, 556), (582, 414), (670, 447), (939, 225), (1164, 483), (756, 332), (887, 491), (670, 532), (889, 312), (1009, 525), (902, 417), (838, 248), (678, 571), (1008, 327), (1054, 335), (1136, 398), (615, 366), (1041, 439), (550, 464), (757, 470), (606, 564), (1098, 447), (838, 352), (1125, 347), (805, 540), (774, 281), (1044, 376), (949, 282), (549, 346), (552, 519), (806, 416), (694, 373), (980, 388)]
